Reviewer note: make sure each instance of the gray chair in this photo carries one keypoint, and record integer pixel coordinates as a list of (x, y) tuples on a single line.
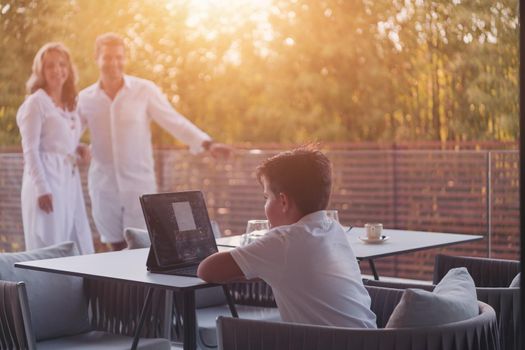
[(13, 333), (504, 301), (51, 311), (477, 333), (212, 302), (492, 278)]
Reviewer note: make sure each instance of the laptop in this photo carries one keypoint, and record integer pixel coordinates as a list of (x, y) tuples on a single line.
[(180, 232)]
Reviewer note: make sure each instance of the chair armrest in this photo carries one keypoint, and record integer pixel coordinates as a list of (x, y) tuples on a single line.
[(506, 304), (475, 333), (15, 317)]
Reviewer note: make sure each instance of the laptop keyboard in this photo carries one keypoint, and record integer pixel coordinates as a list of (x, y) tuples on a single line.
[(184, 271)]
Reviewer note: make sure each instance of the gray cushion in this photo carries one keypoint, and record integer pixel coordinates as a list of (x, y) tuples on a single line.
[(57, 303), (454, 299), (101, 341), (136, 238), (515, 281)]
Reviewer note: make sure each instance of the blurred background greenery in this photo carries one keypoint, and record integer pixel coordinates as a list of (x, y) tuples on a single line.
[(292, 71)]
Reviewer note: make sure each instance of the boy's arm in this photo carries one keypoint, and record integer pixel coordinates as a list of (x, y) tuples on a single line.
[(220, 268)]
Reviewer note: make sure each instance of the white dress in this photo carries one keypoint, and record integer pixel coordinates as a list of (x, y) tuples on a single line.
[(50, 137)]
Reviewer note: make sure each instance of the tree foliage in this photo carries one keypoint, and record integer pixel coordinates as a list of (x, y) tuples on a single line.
[(293, 71)]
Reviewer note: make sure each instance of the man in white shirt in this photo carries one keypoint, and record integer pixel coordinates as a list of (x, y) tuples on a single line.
[(118, 110), (305, 257)]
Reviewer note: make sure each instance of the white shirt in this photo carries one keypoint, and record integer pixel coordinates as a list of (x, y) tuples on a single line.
[(313, 273), (122, 155)]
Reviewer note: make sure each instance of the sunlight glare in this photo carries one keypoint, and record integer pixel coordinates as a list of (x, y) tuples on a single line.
[(231, 13), (210, 19)]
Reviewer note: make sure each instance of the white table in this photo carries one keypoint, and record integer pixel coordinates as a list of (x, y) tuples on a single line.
[(128, 266), (399, 242)]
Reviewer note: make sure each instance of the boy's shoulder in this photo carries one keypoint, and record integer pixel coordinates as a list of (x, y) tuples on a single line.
[(305, 227)]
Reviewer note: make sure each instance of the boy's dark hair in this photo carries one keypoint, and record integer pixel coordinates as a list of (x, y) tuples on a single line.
[(304, 174)]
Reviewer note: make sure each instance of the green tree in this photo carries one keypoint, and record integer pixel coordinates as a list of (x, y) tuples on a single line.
[(25, 25), (293, 71)]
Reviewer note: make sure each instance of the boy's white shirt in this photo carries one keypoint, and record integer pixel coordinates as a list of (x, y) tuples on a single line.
[(313, 273)]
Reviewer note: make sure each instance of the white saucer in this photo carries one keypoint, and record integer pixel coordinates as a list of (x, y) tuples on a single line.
[(374, 241)]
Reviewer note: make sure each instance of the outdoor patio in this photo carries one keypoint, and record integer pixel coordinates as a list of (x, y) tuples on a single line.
[(418, 105)]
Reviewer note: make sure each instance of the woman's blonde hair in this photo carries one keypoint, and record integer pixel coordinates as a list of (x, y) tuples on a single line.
[(37, 81)]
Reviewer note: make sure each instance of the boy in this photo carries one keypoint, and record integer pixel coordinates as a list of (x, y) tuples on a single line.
[(305, 257)]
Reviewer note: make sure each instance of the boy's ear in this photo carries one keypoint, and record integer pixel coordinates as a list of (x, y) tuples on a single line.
[(285, 201)]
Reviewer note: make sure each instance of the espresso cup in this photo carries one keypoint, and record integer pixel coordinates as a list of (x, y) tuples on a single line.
[(374, 231)]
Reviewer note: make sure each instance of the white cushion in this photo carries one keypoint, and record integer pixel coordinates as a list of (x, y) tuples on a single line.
[(515, 283), (136, 238), (454, 299)]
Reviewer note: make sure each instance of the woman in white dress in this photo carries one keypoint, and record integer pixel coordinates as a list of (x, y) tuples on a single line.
[(53, 209)]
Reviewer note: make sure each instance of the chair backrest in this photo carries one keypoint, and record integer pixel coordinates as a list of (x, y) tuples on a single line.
[(15, 324), (484, 271), (477, 333), (384, 301), (254, 294), (115, 308), (50, 294)]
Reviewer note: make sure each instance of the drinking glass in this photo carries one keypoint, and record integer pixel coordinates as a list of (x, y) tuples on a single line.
[(333, 214), (257, 227), (254, 230)]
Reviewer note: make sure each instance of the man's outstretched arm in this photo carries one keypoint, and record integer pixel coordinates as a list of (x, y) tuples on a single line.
[(220, 268)]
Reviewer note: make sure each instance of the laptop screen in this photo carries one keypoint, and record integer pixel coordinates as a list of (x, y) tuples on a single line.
[(179, 227)]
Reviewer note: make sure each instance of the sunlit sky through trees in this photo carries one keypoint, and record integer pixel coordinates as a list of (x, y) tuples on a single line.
[(293, 71)]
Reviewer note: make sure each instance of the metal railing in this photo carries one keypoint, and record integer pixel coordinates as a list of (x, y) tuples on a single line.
[(466, 191)]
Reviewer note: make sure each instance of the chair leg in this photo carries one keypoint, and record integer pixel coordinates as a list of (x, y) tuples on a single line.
[(230, 301), (168, 313), (373, 267)]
